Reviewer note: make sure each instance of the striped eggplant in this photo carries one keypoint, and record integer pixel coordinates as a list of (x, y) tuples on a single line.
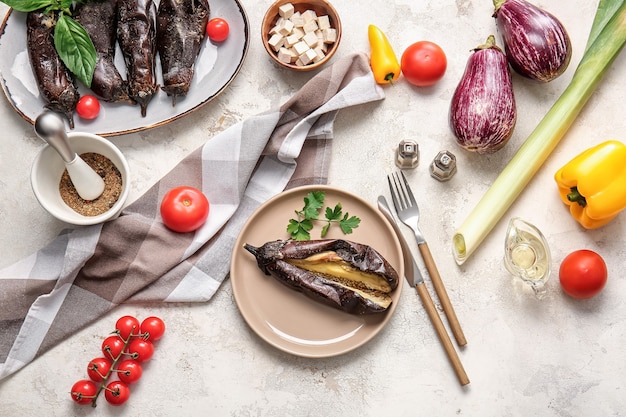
[(136, 34), (55, 82), (535, 42), (348, 276), (99, 18), (483, 111), (181, 28)]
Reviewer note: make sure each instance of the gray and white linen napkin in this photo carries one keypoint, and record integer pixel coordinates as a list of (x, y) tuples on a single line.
[(86, 272)]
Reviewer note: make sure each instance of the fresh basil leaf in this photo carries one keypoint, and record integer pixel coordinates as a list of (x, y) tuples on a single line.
[(27, 5), (75, 48)]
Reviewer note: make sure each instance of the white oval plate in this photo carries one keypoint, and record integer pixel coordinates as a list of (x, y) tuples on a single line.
[(216, 67)]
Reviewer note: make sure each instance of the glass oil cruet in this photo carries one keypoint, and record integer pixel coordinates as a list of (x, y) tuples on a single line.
[(527, 255)]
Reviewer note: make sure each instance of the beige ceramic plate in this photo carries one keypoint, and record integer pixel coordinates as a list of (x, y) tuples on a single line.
[(287, 319)]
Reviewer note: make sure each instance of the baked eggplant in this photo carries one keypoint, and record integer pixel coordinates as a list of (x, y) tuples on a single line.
[(348, 276), (181, 28), (99, 18), (55, 82), (136, 34)]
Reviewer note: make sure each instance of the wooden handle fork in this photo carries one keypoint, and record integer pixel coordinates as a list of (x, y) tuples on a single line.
[(442, 294)]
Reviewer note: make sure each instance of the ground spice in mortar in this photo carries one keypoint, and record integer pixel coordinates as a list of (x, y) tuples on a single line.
[(112, 186)]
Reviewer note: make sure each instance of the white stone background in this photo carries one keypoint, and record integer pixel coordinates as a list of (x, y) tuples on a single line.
[(554, 357)]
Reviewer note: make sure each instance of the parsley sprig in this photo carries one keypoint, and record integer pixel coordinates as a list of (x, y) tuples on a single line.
[(300, 228)]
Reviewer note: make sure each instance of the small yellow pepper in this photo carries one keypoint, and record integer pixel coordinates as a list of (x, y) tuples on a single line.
[(593, 184), (383, 60)]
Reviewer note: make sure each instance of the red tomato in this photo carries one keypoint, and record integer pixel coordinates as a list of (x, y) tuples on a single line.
[(117, 392), (217, 29), (152, 328), (184, 209), (127, 325), (140, 350), (98, 368), (88, 107), (83, 391), (129, 371), (423, 63), (112, 347), (583, 274)]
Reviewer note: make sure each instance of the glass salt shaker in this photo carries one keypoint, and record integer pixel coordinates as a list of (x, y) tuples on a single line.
[(527, 255)]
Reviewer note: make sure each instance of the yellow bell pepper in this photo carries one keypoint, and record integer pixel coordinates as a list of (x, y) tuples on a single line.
[(383, 60), (593, 184)]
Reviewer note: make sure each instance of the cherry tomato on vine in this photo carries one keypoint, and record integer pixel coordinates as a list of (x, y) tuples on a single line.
[(112, 347), (423, 63), (152, 328), (217, 29), (129, 371), (583, 274), (117, 393), (184, 209), (88, 107), (140, 350), (127, 325), (98, 368), (83, 391)]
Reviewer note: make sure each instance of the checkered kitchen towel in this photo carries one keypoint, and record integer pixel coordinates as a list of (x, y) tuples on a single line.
[(86, 272)]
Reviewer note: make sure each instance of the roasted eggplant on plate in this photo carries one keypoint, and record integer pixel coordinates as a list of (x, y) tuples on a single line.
[(349, 276)]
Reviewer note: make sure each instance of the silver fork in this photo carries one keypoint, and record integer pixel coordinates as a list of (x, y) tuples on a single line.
[(408, 212)]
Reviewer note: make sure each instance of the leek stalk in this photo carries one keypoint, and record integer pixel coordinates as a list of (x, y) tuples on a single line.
[(607, 38)]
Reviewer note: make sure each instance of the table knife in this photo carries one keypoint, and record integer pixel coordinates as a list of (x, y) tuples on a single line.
[(415, 279)]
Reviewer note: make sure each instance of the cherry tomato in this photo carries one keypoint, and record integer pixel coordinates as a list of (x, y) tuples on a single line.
[(583, 274), (83, 391), (140, 350), (112, 347), (423, 63), (129, 371), (98, 368), (88, 107), (152, 328), (184, 209), (127, 325), (117, 392), (217, 29)]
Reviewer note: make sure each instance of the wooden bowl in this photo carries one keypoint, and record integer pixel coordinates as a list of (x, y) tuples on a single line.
[(320, 7)]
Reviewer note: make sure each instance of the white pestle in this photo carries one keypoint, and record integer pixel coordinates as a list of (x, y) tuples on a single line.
[(50, 127)]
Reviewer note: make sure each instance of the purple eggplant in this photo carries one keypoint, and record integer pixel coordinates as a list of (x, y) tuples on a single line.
[(483, 111), (99, 18), (136, 34), (181, 28), (55, 82), (535, 42)]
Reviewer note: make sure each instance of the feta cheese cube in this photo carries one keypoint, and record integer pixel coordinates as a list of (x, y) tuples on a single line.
[(309, 16), (308, 56), (286, 28), (276, 41), (323, 22), (291, 40), (286, 10), (286, 55), (330, 35), (297, 19), (311, 39), (298, 32), (310, 26), (300, 48), (320, 52)]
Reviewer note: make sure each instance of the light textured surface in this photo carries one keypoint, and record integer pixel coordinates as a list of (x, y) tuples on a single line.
[(557, 356)]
